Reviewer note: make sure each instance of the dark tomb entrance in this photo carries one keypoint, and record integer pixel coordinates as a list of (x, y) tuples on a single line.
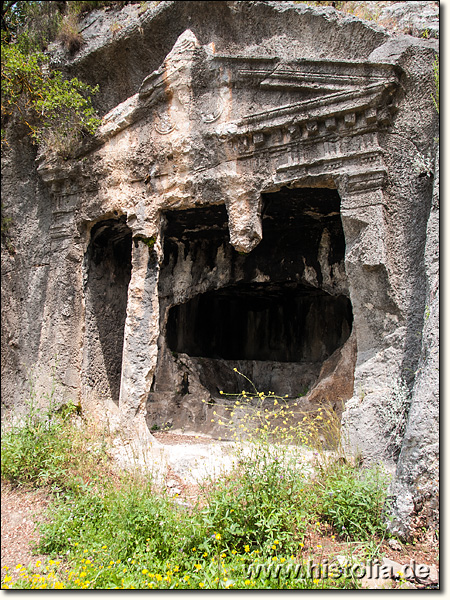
[(261, 321), (108, 268), (275, 314)]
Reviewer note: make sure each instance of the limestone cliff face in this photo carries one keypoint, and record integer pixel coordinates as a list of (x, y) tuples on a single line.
[(261, 195)]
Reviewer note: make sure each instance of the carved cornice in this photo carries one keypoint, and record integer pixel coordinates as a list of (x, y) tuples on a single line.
[(314, 116), (327, 120)]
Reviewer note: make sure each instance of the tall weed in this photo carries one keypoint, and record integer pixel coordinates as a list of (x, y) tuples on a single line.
[(353, 501), (260, 502), (121, 533), (35, 448), (53, 448), (129, 520)]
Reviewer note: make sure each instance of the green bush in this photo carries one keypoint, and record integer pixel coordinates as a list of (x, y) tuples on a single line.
[(259, 503), (129, 520), (353, 501), (35, 451), (57, 112), (47, 448), (261, 507), (119, 532)]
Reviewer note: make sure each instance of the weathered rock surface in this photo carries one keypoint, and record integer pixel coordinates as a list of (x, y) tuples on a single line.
[(420, 19), (261, 195)]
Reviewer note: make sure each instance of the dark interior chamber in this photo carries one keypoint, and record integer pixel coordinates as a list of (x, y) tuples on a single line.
[(254, 321), (276, 313)]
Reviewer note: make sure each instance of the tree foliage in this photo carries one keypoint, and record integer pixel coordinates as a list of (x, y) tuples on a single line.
[(57, 111)]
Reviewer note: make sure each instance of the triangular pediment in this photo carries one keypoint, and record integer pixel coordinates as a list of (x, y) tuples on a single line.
[(195, 85), (301, 119)]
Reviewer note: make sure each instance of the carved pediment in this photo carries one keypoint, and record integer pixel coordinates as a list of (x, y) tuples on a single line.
[(299, 91), (284, 121)]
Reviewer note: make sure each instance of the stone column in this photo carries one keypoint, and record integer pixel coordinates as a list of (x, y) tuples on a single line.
[(416, 487), (140, 339), (376, 319), (58, 365)]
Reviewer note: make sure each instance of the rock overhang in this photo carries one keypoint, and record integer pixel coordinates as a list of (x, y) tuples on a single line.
[(146, 37)]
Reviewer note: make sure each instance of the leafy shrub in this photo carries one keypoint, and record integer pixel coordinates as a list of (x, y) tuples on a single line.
[(56, 111), (353, 501), (35, 451), (46, 447), (128, 520), (120, 533), (259, 503), (35, 24)]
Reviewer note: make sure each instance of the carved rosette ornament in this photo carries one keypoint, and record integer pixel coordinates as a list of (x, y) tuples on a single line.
[(163, 123), (212, 108)]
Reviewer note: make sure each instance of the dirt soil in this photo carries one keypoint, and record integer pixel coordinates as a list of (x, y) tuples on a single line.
[(22, 510)]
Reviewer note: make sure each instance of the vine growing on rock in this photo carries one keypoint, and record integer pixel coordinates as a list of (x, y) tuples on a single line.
[(435, 96)]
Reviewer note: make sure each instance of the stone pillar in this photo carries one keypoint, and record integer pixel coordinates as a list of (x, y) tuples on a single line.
[(376, 319), (365, 265), (140, 339), (416, 487), (58, 364)]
